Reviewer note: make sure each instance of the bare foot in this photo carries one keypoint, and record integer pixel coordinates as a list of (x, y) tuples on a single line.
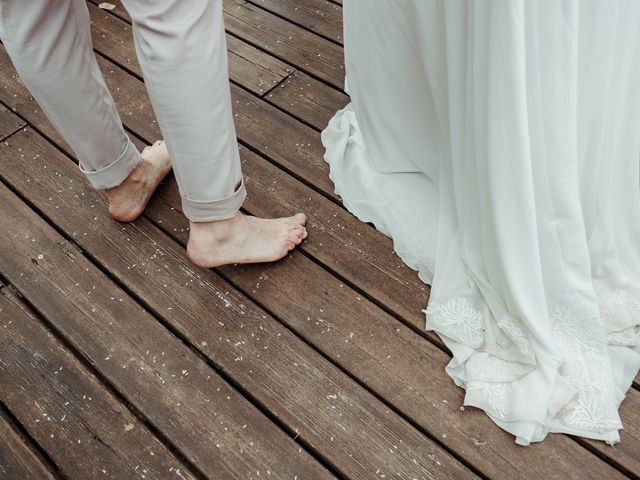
[(244, 239), (128, 200)]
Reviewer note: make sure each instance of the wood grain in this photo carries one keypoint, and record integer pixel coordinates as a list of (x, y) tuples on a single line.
[(302, 49), (319, 16), (165, 380), (17, 458), (86, 431), (9, 123), (329, 412), (307, 99)]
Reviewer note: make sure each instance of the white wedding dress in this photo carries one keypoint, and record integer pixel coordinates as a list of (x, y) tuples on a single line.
[(498, 143)]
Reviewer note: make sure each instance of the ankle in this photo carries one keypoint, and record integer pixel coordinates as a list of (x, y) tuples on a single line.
[(220, 230)]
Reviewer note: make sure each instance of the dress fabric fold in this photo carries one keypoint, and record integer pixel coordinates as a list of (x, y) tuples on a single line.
[(497, 142)]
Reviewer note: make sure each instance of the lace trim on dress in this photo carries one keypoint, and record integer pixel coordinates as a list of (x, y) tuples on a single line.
[(579, 333), (459, 320)]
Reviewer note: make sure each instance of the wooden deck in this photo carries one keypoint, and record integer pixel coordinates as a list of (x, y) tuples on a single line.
[(118, 359)]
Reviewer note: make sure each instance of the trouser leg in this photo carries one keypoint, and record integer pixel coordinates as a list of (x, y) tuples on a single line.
[(182, 51), (49, 43)]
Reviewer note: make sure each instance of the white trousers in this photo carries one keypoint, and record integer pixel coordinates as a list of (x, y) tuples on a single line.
[(181, 48)]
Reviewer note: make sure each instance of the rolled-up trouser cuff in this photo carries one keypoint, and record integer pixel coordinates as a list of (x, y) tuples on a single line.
[(117, 171), (220, 209)]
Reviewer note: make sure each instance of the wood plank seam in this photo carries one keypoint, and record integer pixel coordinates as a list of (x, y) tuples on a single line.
[(284, 60), (611, 461), (276, 85), (12, 130), (86, 362), (29, 441), (326, 37), (5, 137), (158, 317), (231, 6)]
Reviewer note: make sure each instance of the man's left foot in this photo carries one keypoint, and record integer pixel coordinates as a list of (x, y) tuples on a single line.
[(128, 200)]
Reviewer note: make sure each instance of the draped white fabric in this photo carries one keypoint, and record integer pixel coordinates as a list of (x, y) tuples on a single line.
[(498, 143)]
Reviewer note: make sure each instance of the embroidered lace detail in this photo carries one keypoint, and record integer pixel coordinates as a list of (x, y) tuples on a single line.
[(620, 316), (483, 366), (594, 409), (493, 394), (576, 327), (618, 305), (457, 319), (508, 324), (580, 335)]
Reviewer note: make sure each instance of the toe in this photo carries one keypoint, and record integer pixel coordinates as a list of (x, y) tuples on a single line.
[(300, 218), (294, 237)]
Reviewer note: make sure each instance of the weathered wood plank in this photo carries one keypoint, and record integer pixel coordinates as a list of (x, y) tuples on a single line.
[(389, 366), (165, 380), (250, 67), (254, 69), (9, 123), (627, 452), (294, 146), (307, 99), (17, 459), (82, 427), (319, 16), (297, 46), (329, 412)]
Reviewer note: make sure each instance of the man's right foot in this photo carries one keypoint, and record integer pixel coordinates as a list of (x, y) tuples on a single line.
[(244, 239), (128, 200)]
